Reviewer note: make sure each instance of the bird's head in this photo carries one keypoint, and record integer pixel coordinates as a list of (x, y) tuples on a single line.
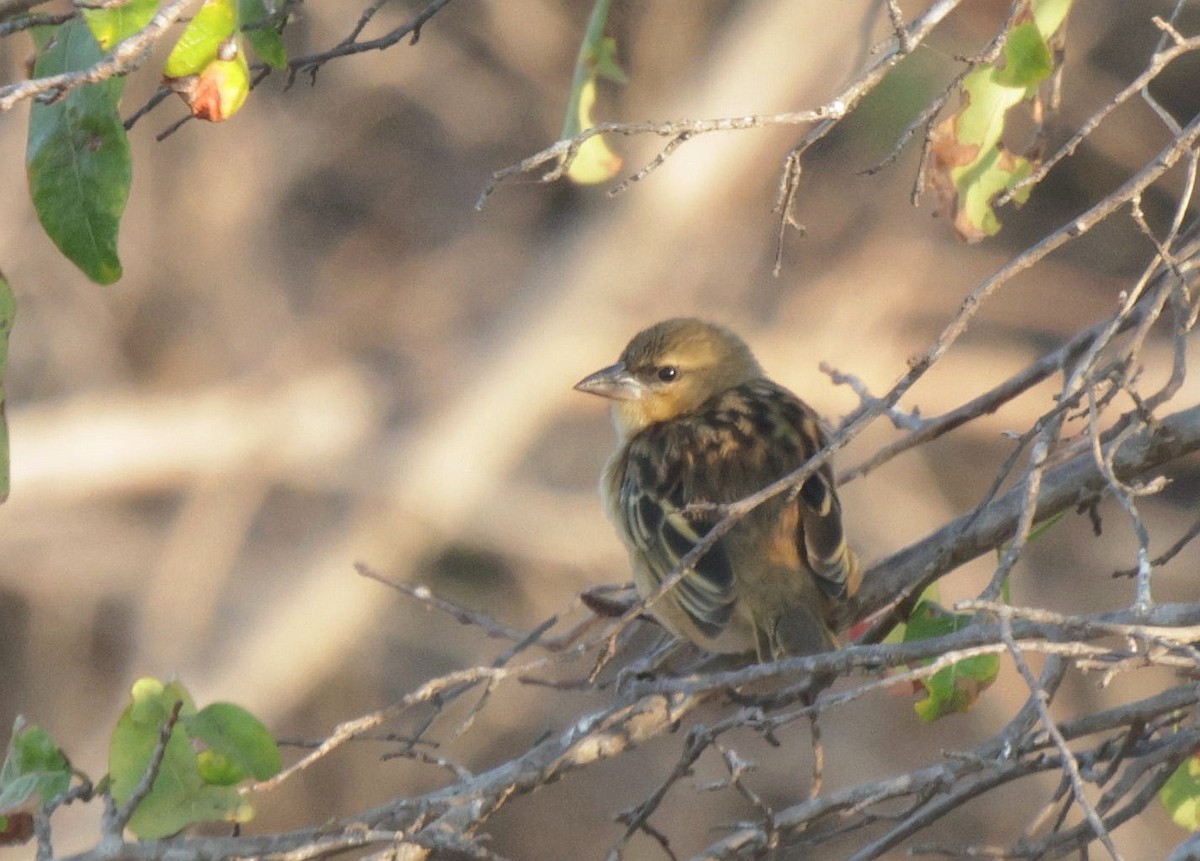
[(669, 370)]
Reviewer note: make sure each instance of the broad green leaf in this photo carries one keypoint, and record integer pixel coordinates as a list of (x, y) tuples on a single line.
[(264, 38), (955, 688), (235, 735), (202, 39), (1180, 795), (35, 770), (8, 316), (113, 25), (181, 793), (77, 158)]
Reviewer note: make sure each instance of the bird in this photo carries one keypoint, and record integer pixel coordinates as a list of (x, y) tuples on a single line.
[(699, 425)]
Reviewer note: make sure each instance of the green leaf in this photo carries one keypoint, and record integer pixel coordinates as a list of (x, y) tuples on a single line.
[(1027, 58), (114, 25), (189, 787), (1180, 795), (202, 39), (35, 771), (1049, 15), (955, 688), (77, 157), (980, 183), (970, 165), (263, 36), (237, 736), (8, 316)]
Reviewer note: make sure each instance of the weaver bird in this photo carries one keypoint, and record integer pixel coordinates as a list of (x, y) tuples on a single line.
[(698, 422)]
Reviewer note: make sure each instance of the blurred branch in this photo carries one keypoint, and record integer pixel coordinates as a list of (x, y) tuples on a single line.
[(112, 443), (349, 46)]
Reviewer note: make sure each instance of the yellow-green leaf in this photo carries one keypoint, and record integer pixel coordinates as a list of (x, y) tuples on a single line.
[(970, 164), (117, 23), (203, 39), (1180, 795), (955, 688), (594, 162), (35, 771)]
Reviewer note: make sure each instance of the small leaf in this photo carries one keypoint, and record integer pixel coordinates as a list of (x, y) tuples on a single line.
[(117, 23), (955, 688), (264, 38), (16, 828), (77, 157), (1180, 795), (35, 771)]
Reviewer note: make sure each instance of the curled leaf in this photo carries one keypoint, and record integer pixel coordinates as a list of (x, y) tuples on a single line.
[(207, 67), (219, 91)]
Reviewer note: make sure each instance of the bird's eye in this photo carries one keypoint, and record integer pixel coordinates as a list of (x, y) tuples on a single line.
[(667, 373)]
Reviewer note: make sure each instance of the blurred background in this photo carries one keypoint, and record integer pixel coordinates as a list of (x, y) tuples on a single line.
[(321, 353)]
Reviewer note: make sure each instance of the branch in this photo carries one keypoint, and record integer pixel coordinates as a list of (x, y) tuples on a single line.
[(123, 59), (1063, 487), (679, 131)]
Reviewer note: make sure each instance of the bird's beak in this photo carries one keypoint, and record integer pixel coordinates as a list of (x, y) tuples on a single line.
[(613, 382)]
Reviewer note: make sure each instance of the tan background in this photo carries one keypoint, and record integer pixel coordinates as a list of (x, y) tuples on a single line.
[(320, 353)]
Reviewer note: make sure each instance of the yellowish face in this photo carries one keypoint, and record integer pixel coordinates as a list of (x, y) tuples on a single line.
[(669, 370)]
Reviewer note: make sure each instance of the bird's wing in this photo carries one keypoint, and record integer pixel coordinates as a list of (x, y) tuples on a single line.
[(825, 547), (663, 535), (822, 541)]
